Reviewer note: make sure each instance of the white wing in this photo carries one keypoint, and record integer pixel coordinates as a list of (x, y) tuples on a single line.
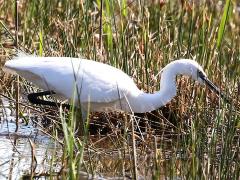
[(95, 82)]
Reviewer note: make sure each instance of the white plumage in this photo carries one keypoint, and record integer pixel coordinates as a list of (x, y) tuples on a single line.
[(102, 86)]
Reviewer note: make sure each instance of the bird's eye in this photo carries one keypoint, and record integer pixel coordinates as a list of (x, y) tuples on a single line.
[(200, 74)]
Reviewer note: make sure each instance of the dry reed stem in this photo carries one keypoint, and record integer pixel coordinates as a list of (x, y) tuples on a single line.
[(135, 171), (100, 27), (16, 44)]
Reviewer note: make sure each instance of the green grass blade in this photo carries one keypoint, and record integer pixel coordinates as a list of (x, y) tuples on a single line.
[(41, 43), (124, 8), (224, 19)]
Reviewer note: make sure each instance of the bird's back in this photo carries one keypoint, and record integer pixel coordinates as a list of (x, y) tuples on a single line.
[(95, 82)]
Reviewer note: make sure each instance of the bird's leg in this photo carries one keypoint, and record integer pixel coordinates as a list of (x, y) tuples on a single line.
[(33, 98), (80, 114)]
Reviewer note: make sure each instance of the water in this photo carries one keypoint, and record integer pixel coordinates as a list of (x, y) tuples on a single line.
[(30, 152), (26, 151)]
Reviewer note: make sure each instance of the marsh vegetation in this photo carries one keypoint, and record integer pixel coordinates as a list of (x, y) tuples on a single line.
[(195, 136)]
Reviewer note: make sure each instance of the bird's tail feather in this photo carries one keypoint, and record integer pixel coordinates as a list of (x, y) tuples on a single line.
[(10, 64), (20, 54)]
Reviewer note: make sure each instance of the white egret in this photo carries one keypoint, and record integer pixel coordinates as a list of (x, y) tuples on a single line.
[(103, 87)]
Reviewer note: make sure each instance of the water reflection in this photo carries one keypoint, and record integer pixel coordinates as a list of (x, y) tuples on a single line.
[(26, 152), (31, 154)]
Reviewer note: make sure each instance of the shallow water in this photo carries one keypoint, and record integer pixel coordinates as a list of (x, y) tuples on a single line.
[(30, 152), (26, 151)]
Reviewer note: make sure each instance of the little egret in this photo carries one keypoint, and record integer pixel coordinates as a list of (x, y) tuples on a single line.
[(101, 86)]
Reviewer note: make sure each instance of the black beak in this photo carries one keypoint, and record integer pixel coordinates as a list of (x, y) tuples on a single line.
[(212, 86)]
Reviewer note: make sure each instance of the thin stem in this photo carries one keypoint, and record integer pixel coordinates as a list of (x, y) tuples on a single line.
[(100, 27), (135, 172), (16, 44)]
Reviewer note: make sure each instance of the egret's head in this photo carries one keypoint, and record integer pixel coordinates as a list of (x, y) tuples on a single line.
[(187, 67), (194, 70)]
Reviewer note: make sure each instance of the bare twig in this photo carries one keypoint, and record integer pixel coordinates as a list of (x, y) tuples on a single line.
[(34, 158), (135, 171), (16, 44)]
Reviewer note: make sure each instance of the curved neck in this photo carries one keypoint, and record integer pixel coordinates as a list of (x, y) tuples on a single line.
[(145, 102)]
